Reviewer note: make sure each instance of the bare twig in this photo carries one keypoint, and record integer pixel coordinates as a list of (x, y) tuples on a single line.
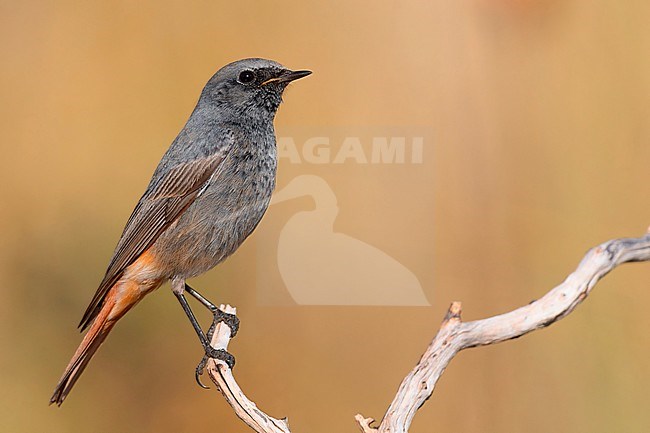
[(364, 423), (453, 336)]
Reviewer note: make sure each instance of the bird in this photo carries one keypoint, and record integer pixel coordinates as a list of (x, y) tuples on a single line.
[(206, 196), (320, 266)]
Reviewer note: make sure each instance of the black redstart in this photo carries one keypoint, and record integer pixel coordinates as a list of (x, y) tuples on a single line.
[(208, 193)]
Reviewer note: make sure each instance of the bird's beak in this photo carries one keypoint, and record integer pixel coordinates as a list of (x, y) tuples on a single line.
[(287, 76)]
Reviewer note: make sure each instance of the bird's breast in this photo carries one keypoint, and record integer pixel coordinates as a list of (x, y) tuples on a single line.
[(224, 214)]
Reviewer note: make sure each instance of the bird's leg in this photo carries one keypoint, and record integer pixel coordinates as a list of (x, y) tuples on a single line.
[(219, 316), (210, 352)]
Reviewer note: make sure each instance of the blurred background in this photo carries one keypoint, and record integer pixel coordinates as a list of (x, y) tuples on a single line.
[(538, 150)]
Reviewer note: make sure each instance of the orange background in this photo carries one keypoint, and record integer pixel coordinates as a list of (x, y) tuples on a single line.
[(541, 150)]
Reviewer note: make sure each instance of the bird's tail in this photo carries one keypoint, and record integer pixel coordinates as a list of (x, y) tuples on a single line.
[(120, 299)]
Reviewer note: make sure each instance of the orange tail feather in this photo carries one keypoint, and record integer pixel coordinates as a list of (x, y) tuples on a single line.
[(120, 299)]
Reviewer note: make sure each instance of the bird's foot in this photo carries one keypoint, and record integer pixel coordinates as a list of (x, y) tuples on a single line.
[(213, 353), (229, 319), (232, 321), (210, 352)]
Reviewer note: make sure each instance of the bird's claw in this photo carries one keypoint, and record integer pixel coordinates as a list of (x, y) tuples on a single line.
[(199, 372), (211, 352)]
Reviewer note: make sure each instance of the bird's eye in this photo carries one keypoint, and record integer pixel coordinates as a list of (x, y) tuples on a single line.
[(246, 77)]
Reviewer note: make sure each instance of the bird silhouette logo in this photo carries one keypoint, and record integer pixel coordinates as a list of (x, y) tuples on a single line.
[(322, 267)]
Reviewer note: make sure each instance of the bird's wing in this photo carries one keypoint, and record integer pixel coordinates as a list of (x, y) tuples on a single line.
[(159, 207)]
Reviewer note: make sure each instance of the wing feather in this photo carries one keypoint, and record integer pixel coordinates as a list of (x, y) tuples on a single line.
[(159, 207)]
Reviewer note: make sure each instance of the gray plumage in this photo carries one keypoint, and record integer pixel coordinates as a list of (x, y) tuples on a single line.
[(208, 193)]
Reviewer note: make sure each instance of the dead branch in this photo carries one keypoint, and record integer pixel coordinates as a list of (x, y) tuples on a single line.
[(452, 337)]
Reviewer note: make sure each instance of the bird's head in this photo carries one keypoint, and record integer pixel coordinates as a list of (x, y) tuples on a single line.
[(249, 87)]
